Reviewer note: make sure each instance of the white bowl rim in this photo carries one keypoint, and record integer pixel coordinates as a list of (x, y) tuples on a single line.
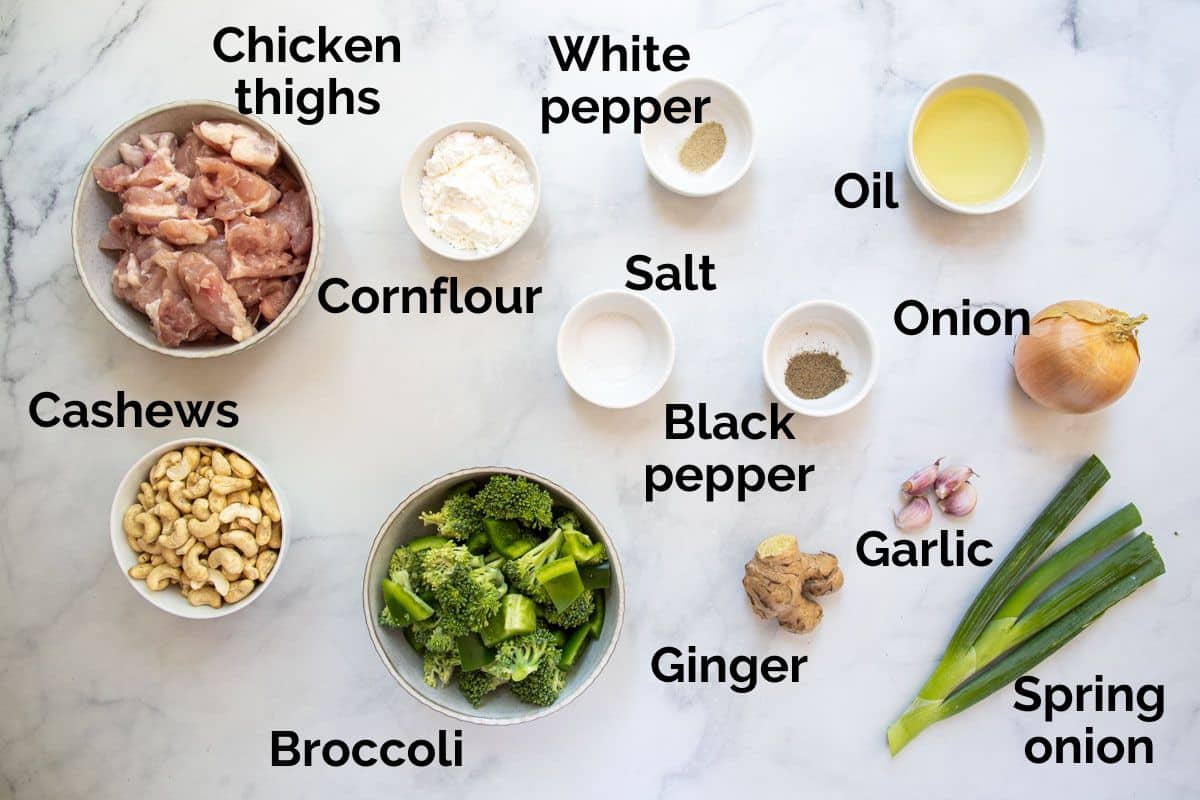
[(314, 259), (117, 536), (427, 700), (578, 309), (1007, 200), (750, 149), (872, 356), (415, 217)]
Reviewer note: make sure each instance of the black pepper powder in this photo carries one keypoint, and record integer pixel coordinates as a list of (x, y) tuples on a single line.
[(812, 374)]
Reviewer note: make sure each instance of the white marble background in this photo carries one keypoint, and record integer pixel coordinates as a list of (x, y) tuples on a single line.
[(103, 696)]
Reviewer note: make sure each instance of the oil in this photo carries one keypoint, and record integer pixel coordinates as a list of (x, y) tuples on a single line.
[(971, 145)]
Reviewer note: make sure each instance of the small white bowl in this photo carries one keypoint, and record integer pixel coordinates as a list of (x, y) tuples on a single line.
[(170, 599), (1033, 125), (821, 325), (94, 206), (662, 140), (414, 171), (615, 349), (407, 666)]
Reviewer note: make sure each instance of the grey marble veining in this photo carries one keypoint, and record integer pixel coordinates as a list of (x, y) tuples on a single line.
[(105, 697)]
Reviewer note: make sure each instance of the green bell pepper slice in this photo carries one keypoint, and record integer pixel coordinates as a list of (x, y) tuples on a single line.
[(427, 542), (579, 546), (517, 615), (560, 578), (596, 576), (596, 623), (473, 653), (405, 604), (508, 539), (576, 643)]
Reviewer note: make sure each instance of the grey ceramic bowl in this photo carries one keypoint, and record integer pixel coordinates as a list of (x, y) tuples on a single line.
[(406, 664), (94, 206)]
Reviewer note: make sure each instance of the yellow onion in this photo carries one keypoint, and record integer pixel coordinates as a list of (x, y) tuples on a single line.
[(1078, 356)]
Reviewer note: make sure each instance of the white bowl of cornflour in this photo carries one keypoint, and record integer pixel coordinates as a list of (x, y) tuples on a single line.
[(819, 358), (703, 156)]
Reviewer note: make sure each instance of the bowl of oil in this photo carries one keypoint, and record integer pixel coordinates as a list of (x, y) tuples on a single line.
[(976, 144)]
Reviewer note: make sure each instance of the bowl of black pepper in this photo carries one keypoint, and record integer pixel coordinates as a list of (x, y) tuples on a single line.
[(820, 358)]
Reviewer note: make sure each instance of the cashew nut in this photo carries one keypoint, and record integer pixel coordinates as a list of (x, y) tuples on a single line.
[(171, 557), (235, 510), (177, 536), (177, 472), (269, 505), (158, 578), (239, 590), (219, 581), (128, 523), (167, 460), (250, 572), (262, 532), (199, 489), (156, 559), (206, 596), (242, 540), (150, 526), (276, 536), (146, 495), (230, 562), (216, 502), (192, 566), (140, 570), (222, 484), (242, 496), (220, 464), (191, 454), (183, 548), (204, 529), (178, 496), (200, 509), (167, 512), (240, 466), (265, 563)]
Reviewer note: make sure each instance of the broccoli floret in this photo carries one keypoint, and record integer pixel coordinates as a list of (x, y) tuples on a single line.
[(465, 590), (477, 685), (459, 518), (522, 572), (405, 569), (518, 657), (439, 668), (573, 615), (389, 620), (543, 687), (514, 497)]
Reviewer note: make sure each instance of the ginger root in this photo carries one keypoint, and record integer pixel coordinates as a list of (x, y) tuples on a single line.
[(781, 582)]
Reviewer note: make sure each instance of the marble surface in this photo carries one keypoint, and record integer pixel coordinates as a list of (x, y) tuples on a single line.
[(103, 696)]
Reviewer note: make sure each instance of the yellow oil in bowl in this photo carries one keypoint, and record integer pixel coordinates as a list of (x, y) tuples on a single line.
[(971, 145)]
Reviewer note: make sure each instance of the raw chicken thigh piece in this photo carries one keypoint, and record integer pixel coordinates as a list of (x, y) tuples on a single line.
[(244, 144), (213, 297), (175, 317), (191, 149), (148, 207), (295, 215), (183, 232), (241, 191), (138, 282), (258, 249)]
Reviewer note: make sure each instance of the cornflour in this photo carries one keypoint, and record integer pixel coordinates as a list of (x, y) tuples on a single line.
[(477, 194)]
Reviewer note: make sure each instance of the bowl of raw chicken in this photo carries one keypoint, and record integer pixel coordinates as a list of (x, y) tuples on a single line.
[(196, 230)]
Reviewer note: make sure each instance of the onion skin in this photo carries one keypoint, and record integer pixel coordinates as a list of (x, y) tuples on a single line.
[(1078, 356)]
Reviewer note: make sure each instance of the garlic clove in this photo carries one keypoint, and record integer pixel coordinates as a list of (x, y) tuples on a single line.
[(921, 481), (960, 502), (915, 514), (950, 479)]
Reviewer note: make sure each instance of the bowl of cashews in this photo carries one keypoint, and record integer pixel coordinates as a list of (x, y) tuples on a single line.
[(197, 527)]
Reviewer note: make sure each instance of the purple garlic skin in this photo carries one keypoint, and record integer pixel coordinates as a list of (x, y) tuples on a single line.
[(916, 514), (960, 502), (921, 481), (950, 479)]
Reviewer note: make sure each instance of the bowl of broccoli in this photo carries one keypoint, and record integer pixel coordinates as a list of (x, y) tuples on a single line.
[(493, 595)]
